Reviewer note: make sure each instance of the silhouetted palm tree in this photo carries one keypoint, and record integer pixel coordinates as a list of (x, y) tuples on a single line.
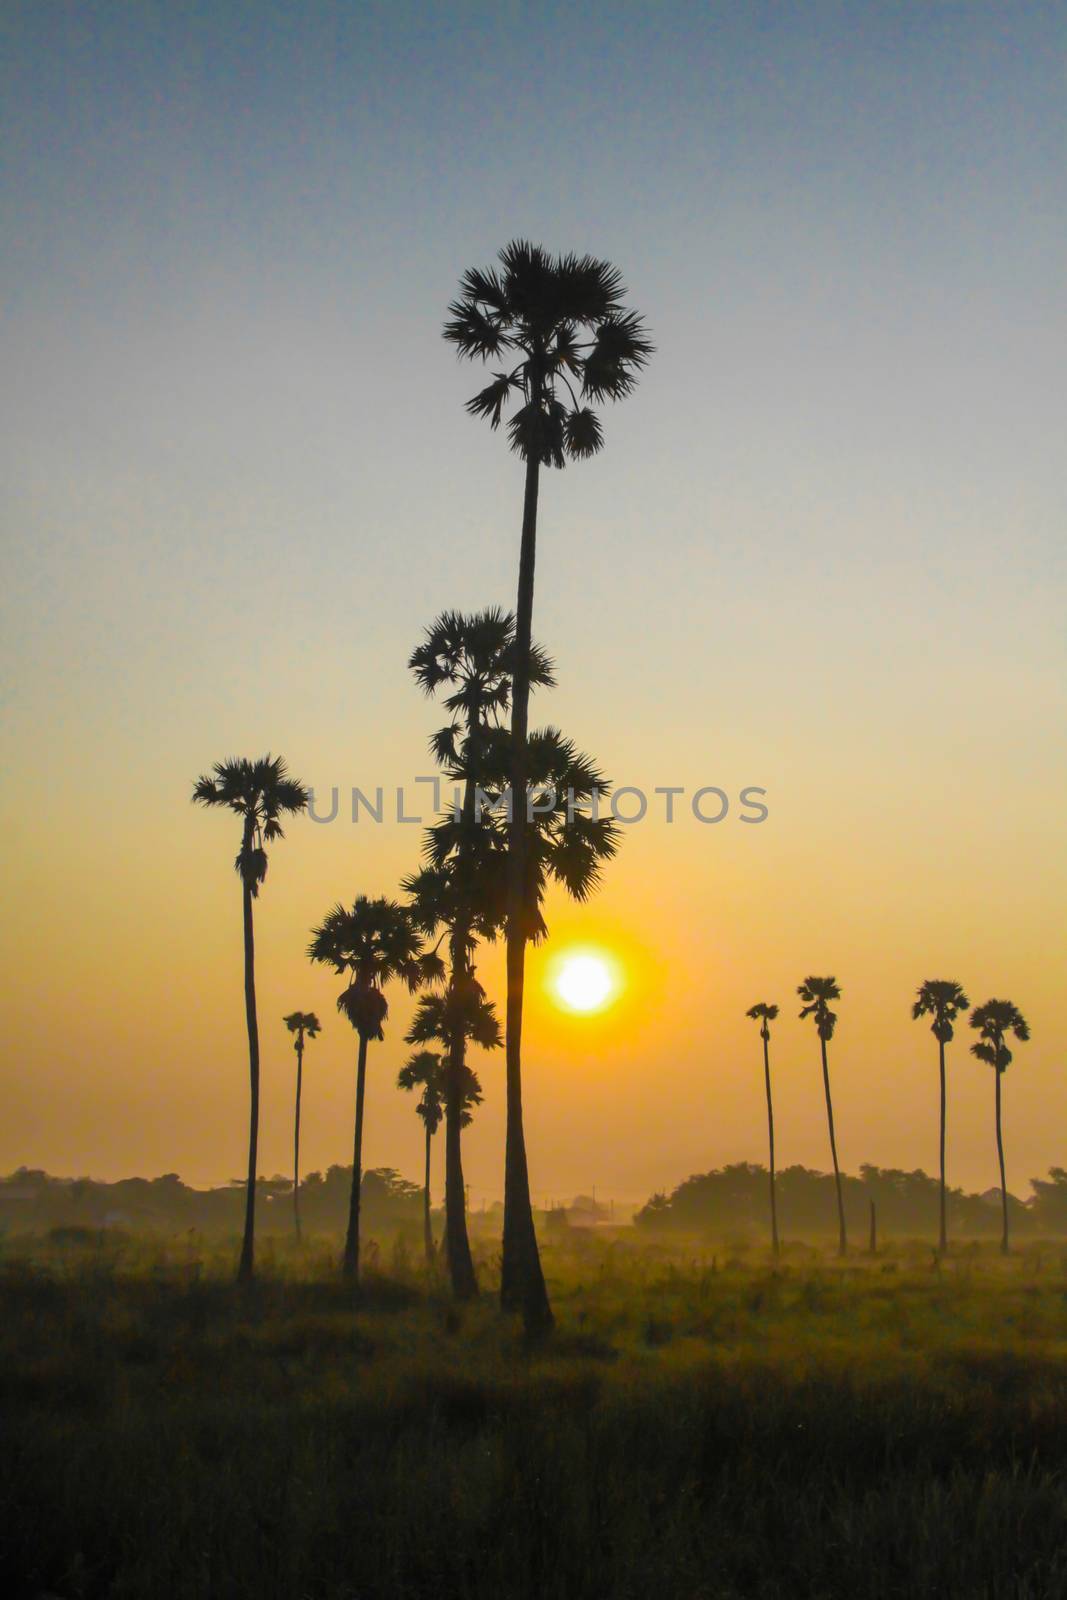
[(260, 793), (472, 657), (765, 1015), (995, 1020), (375, 943), (305, 1025), (943, 1000), (817, 993), (425, 1071), (428, 1069), (562, 321)]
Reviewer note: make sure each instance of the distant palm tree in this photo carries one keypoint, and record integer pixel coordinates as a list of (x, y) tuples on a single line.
[(765, 1015), (428, 1070), (375, 943), (943, 1000), (559, 319), (305, 1025), (995, 1020), (817, 993), (472, 657), (425, 1071), (260, 793)]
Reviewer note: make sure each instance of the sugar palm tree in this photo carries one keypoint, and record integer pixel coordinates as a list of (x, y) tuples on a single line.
[(995, 1021), (765, 1015), (260, 793), (471, 657), (375, 943), (304, 1025), (560, 327), (427, 1069), (942, 1000), (817, 994)]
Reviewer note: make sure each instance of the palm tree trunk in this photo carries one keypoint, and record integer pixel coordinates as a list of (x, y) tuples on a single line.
[(1000, 1157), (842, 1239), (350, 1266), (522, 1284), (770, 1139), (457, 1243), (296, 1142), (427, 1230), (246, 1267), (943, 1235)]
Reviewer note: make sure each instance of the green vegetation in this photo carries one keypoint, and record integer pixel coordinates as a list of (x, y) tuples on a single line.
[(703, 1423)]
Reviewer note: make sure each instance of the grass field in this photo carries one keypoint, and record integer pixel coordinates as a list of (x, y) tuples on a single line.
[(700, 1426)]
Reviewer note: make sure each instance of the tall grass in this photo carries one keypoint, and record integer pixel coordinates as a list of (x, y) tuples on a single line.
[(701, 1426)]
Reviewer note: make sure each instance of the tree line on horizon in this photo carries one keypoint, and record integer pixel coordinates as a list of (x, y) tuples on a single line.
[(907, 1204), (566, 342), (733, 1197)]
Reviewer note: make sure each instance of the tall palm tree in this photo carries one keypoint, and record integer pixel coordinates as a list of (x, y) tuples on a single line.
[(943, 1000), (995, 1020), (472, 657), (765, 1015), (817, 994), (562, 322), (374, 943), (260, 793), (305, 1025), (427, 1069)]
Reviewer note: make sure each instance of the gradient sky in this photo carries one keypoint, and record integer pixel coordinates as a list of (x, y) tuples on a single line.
[(821, 553)]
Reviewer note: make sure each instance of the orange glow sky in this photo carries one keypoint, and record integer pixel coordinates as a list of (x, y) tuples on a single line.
[(821, 553)]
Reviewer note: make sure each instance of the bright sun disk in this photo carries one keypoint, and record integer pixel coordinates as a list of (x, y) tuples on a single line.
[(584, 982)]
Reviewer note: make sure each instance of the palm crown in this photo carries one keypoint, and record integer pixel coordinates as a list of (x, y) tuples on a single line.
[(305, 1024), (565, 841), (473, 656), (816, 993), (426, 1069), (374, 942), (995, 1020), (462, 1011), (765, 1015), (563, 318), (423, 1071), (943, 1000), (259, 792)]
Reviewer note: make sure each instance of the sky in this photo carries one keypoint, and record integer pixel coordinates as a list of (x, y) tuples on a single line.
[(821, 554)]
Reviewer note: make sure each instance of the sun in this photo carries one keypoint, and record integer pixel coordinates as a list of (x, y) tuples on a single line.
[(584, 981)]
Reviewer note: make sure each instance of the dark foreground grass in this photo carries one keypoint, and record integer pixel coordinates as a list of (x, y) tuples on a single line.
[(884, 1429)]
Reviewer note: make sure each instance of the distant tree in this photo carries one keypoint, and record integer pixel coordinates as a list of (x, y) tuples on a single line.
[(765, 1015), (304, 1025), (425, 1070), (374, 943), (428, 1070), (260, 793), (563, 323), (1050, 1200), (995, 1021), (943, 1000), (817, 994)]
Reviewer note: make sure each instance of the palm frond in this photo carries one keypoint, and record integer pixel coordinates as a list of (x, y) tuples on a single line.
[(490, 401), (582, 433)]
